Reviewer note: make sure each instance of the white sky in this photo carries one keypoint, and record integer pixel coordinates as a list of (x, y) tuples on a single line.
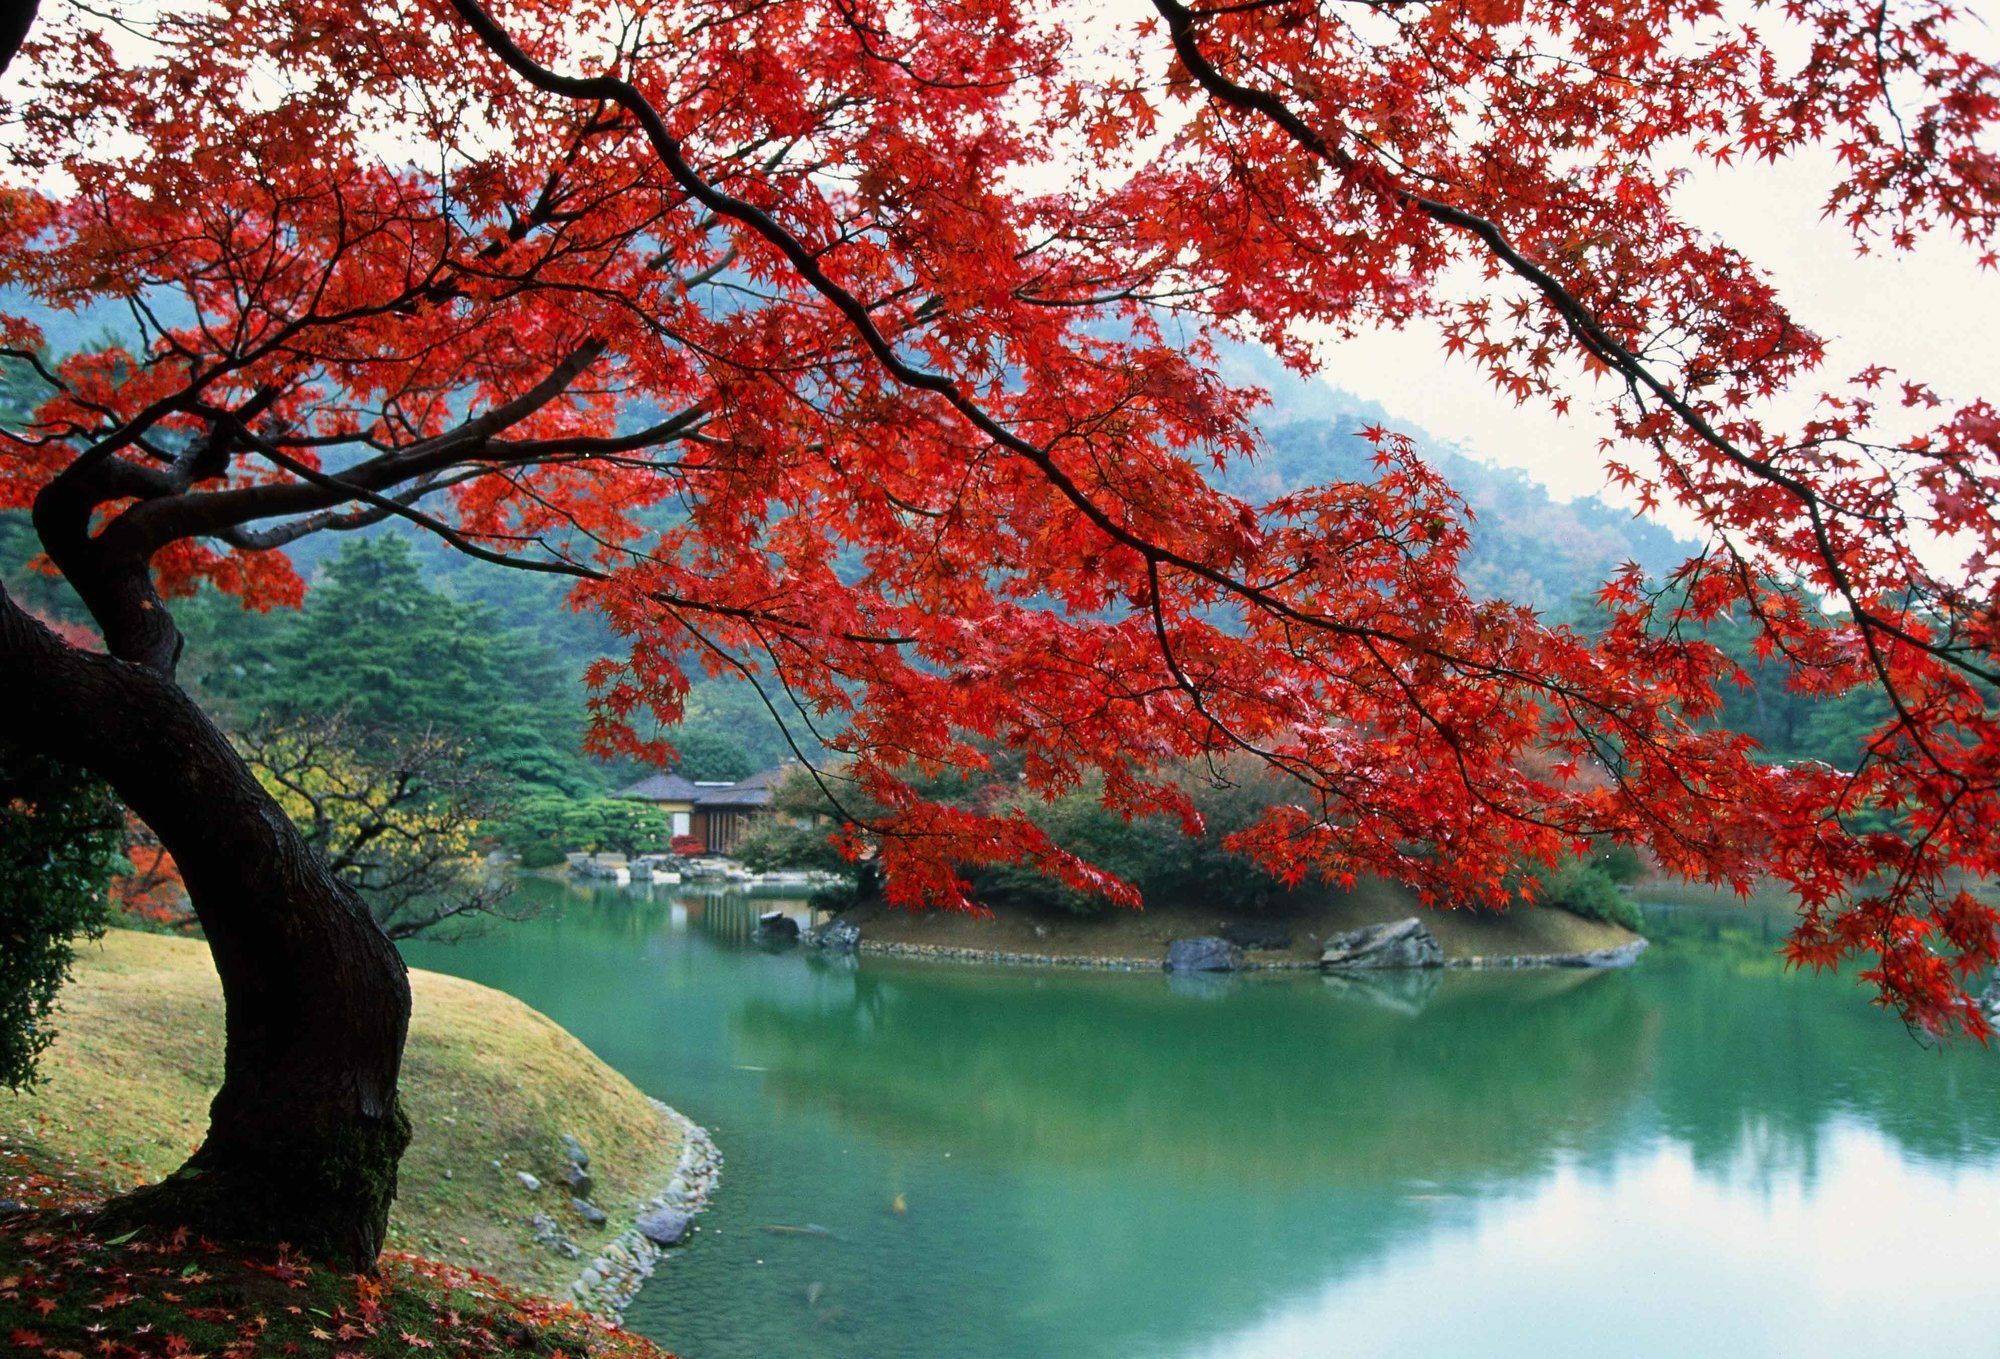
[(1932, 315)]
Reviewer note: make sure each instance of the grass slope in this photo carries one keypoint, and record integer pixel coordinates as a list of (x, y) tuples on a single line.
[(486, 1080), (1309, 916), (66, 1293)]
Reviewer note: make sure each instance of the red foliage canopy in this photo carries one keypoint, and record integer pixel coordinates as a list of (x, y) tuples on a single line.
[(867, 350)]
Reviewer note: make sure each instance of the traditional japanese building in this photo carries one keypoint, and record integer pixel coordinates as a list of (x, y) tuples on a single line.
[(717, 814)]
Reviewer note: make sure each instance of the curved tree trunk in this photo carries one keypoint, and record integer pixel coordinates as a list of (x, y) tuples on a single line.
[(306, 1132)]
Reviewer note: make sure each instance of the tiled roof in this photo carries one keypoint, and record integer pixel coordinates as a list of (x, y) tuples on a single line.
[(662, 788), (754, 791), (744, 794)]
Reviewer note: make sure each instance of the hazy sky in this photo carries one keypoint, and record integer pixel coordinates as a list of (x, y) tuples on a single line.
[(1931, 314)]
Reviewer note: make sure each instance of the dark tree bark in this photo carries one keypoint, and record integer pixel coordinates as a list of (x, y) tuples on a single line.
[(306, 1132), (16, 18)]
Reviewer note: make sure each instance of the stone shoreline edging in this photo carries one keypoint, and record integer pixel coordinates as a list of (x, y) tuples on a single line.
[(1624, 955), (610, 1282)]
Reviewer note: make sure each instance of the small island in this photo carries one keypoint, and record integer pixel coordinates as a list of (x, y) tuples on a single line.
[(1291, 935)]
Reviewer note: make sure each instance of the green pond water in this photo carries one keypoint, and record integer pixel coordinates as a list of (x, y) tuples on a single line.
[(1705, 1155)]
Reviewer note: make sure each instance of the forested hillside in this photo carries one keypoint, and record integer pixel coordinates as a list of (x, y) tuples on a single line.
[(1526, 545)]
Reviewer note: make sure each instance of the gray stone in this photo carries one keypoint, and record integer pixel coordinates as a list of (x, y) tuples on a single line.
[(1206, 954), (1622, 956), (528, 1182), (1399, 943), (835, 936), (1989, 999), (578, 1179), (777, 927), (664, 1226), (12, 1206), (547, 1233), (589, 1212), (575, 1151)]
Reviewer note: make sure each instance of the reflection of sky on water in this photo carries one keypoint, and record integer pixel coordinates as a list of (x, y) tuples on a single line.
[(1664, 1258), (1702, 1156)]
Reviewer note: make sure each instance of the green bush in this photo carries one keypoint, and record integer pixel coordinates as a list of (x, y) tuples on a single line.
[(1621, 863), (542, 823), (834, 896), (1587, 889), (541, 856), (60, 838), (774, 844), (1148, 852)]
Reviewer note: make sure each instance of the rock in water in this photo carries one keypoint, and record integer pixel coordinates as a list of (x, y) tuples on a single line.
[(1206, 954), (1989, 999), (1400, 943), (777, 927), (836, 936), (664, 1226)]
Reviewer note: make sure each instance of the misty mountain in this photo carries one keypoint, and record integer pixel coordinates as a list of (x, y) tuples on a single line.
[(1527, 545)]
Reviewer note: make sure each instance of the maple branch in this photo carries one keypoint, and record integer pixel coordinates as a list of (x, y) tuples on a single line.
[(152, 524), (806, 262), (858, 316)]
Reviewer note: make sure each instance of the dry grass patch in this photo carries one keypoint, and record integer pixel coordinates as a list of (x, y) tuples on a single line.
[(486, 1080)]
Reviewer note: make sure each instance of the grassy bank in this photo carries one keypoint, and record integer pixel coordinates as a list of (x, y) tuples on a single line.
[(490, 1084), (1307, 917), (66, 1293)]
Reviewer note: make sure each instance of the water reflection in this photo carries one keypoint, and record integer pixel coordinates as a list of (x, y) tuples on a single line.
[(1274, 1087), (1102, 1165)]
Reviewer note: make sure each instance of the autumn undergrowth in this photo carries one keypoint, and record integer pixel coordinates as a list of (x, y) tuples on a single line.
[(65, 1293), (490, 1085)]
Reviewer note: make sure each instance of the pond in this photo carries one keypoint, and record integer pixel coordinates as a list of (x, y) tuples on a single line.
[(1705, 1154)]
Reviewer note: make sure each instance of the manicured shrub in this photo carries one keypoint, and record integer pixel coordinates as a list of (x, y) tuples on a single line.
[(1586, 889)]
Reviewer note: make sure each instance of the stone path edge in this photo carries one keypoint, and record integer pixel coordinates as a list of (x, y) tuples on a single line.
[(609, 1282), (1622, 956)]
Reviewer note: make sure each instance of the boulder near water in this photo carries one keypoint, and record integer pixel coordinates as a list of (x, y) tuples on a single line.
[(1395, 944), (1204, 954), (664, 1226), (777, 927), (836, 936)]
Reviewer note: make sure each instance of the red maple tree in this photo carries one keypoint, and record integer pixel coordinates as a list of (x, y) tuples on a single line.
[(868, 352)]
